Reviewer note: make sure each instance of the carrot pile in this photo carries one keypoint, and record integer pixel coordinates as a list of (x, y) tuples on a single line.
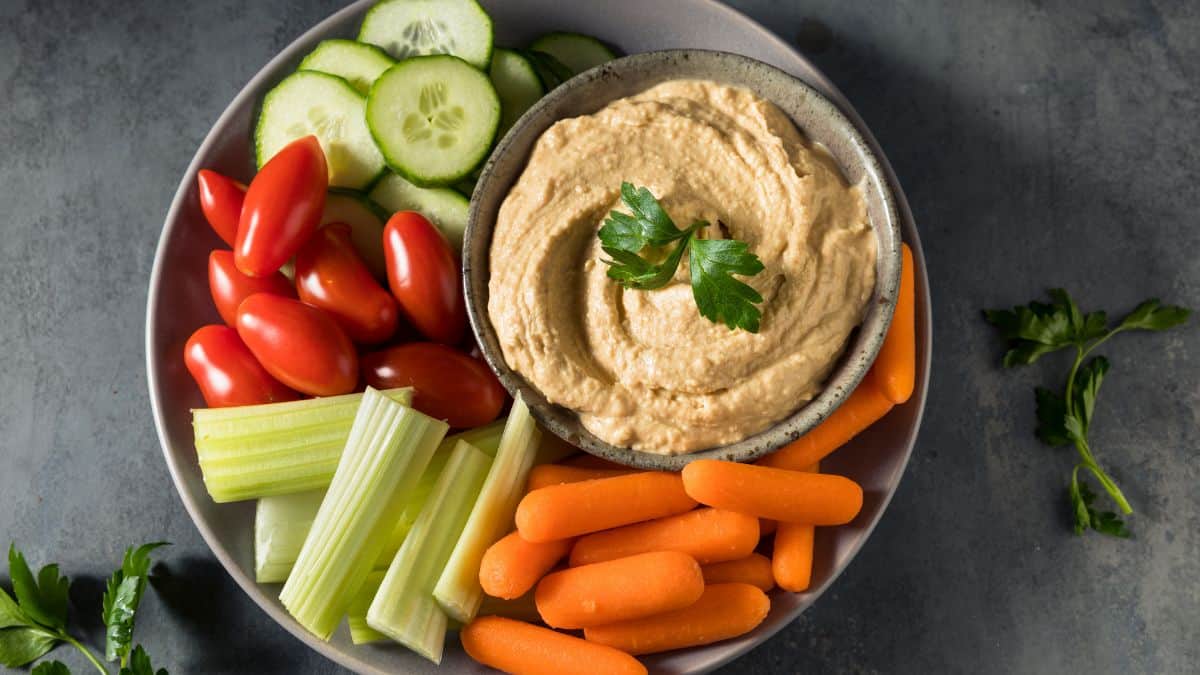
[(646, 562)]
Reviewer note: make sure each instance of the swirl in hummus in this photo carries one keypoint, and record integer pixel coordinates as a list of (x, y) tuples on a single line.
[(643, 369)]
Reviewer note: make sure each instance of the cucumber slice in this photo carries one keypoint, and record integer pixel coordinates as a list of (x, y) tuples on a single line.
[(366, 219), (406, 28), (574, 50), (328, 107), (466, 186), (549, 70), (444, 207), (434, 118), (517, 84), (355, 62)]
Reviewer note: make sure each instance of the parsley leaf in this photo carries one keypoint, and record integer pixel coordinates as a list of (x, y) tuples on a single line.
[(1151, 315), (1051, 414), (719, 297), (139, 664), (51, 668), (121, 599), (19, 646), (1086, 517), (43, 600)]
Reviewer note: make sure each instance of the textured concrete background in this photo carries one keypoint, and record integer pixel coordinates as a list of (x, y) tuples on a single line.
[(1040, 143)]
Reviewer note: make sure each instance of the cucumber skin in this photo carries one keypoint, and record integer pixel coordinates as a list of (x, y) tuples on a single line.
[(539, 43), (549, 70), (334, 41), (404, 173), (361, 197), (491, 33)]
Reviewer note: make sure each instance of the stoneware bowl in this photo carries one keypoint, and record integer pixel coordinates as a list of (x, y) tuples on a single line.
[(817, 117), (179, 303)]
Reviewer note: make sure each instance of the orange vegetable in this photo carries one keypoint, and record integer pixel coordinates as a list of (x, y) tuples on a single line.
[(511, 566), (586, 461), (754, 569), (708, 535), (792, 557), (766, 527), (865, 406), (896, 365), (765, 492), (722, 612), (518, 647), (563, 511), (619, 590), (556, 474), (521, 609)]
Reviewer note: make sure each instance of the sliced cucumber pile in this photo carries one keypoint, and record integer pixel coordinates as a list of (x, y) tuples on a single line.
[(444, 207), (517, 84), (406, 28), (366, 220), (434, 118), (575, 51), (550, 70), (355, 62), (326, 106)]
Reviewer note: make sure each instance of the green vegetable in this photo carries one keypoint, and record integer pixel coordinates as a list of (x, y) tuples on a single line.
[(712, 263), (1064, 419), (404, 609), (35, 622), (139, 664), (458, 590), (254, 451), (356, 616), (388, 448)]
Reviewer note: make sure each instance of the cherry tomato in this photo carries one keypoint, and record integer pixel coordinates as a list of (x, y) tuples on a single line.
[(423, 273), (230, 287), (283, 207), (221, 200), (228, 374), (330, 275), (301, 346), (448, 384)]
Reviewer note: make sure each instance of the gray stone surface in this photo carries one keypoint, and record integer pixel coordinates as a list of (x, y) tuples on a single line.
[(1040, 144)]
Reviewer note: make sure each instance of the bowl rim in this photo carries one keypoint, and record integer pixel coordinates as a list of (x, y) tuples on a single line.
[(849, 368)]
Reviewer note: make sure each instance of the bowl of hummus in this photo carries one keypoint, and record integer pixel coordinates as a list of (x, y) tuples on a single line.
[(730, 149)]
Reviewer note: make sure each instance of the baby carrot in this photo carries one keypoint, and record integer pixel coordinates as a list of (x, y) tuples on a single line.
[(722, 612), (518, 647), (619, 590), (766, 527), (865, 406), (562, 511), (586, 461), (754, 569), (511, 566), (896, 365), (792, 557), (521, 609), (556, 474), (708, 535), (787, 496)]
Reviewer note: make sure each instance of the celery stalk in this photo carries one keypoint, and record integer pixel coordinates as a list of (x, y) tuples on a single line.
[(255, 451), (458, 590), (356, 616), (404, 608), (281, 523), (388, 447)]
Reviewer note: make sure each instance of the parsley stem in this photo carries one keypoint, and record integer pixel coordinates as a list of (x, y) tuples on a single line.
[(86, 652)]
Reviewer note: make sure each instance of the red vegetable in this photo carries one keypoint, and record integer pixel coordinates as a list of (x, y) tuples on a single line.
[(221, 200), (300, 345), (226, 371), (230, 287), (331, 275), (283, 207), (448, 384), (423, 274)]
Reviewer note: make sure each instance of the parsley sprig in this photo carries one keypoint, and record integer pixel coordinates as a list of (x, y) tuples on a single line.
[(1037, 329), (35, 622), (720, 298)]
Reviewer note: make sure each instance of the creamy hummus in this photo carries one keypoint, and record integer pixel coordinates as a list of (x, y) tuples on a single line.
[(642, 368)]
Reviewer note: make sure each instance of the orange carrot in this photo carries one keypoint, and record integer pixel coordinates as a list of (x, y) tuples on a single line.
[(511, 566), (792, 557), (556, 474), (521, 609), (766, 527), (586, 461), (562, 511), (708, 535), (518, 647), (754, 569), (723, 612), (896, 365), (619, 590), (765, 492), (865, 406)]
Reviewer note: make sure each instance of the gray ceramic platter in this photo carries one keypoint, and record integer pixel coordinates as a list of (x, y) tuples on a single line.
[(179, 302)]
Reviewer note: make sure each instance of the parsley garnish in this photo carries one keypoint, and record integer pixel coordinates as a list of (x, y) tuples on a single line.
[(712, 263), (1064, 419)]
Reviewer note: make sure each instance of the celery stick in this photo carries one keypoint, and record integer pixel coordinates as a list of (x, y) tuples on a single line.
[(356, 616), (458, 590), (388, 447), (255, 451), (281, 524), (404, 608)]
